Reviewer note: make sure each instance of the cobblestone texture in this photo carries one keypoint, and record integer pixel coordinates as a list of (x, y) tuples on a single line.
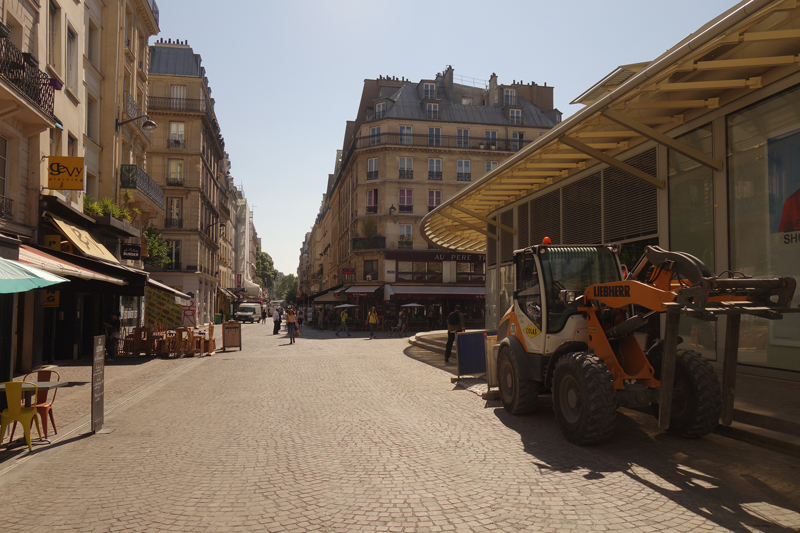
[(337, 435)]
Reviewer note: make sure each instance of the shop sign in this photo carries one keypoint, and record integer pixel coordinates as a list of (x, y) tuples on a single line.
[(434, 256), (50, 298), (132, 252), (98, 383), (348, 271), (53, 242), (65, 173)]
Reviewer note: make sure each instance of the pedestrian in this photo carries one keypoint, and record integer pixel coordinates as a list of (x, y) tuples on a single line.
[(300, 320), (455, 324), (263, 315), (372, 320), (113, 328), (403, 323), (343, 324), (291, 324), (430, 318), (276, 321)]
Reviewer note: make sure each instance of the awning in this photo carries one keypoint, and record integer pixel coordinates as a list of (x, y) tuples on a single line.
[(54, 265), (83, 240), (228, 294), (252, 290), (180, 297), (427, 291), (388, 292), (362, 290), (331, 297)]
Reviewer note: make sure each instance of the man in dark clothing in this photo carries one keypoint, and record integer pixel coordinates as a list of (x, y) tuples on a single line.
[(455, 324), (276, 321), (112, 335)]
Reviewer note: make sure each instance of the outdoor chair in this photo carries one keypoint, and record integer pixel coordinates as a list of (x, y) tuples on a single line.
[(43, 406), (15, 412)]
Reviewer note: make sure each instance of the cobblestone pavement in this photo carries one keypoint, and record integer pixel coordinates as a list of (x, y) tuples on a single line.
[(350, 434)]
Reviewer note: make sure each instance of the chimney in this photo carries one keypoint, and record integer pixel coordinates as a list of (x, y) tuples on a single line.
[(492, 90), (448, 82)]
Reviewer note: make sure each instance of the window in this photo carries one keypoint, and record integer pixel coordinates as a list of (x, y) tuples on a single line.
[(462, 138), (490, 136), (515, 116), (429, 90), (374, 136), (434, 169), (53, 35), (175, 176), (380, 110), (176, 139), (517, 138), (419, 271), (372, 201), (91, 118), (406, 201), (434, 199), (405, 135), (372, 168), (72, 146), (177, 95), (466, 101), (406, 168), (463, 173), (509, 97), (173, 217), (432, 111), (3, 155), (434, 136), (174, 255), (405, 239), (371, 270), (72, 60), (491, 165), (470, 272), (92, 44)]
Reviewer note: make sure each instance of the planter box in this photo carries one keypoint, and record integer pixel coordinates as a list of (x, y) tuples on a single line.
[(121, 225)]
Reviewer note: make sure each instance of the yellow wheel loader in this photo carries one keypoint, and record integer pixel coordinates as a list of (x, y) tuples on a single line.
[(571, 332)]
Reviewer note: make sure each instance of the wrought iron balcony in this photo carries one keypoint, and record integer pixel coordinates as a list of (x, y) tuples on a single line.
[(405, 244), (372, 209), (406, 208), (223, 207), (31, 82), (133, 177), (463, 176), (133, 111), (432, 207), (372, 175), (434, 174), (173, 222), (175, 181), (440, 141), (154, 9), (369, 243), (406, 174), (5, 207), (176, 143)]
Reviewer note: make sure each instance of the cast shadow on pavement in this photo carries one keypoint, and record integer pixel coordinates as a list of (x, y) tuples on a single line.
[(713, 477)]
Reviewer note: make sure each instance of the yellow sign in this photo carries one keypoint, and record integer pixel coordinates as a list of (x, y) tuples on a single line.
[(66, 173), (53, 242), (50, 298), (83, 240), (532, 331), (592, 329)]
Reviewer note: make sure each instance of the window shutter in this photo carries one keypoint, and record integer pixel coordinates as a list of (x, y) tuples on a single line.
[(545, 215), (631, 206), (523, 233), (582, 221), (507, 238), (491, 246)]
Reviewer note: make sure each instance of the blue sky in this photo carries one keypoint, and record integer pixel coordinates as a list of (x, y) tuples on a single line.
[(287, 75)]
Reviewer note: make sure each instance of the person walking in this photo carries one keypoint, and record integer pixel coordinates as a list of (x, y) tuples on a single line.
[(291, 324), (402, 323), (455, 324), (343, 324), (263, 315), (276, 321), (430, 318), (372, 320), (300, 319), (112, 335)]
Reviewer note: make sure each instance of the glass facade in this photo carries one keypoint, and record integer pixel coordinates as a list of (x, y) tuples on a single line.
[(764, 211)]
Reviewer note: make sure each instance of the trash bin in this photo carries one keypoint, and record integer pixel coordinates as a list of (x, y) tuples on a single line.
[(217, 318)]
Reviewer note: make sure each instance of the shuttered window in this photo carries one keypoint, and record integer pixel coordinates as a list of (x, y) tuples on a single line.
[(507, 238), (631, 207), (581, 203), (491, 246), (545, 215), (523, 226)]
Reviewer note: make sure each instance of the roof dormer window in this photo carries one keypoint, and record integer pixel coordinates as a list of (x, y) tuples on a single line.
[(432, 111), (509, 97), (380, 110), (515, 116), (429, 91)]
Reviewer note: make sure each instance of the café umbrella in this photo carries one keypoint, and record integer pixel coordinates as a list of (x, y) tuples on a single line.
[(412, 305), (344, 306), (20, 277)]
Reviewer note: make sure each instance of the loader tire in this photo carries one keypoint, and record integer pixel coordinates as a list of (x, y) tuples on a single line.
[(584, 399), (697, 395), (519, 395)]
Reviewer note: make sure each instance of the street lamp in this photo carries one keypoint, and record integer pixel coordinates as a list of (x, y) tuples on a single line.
[(148, 125), (392, 209)]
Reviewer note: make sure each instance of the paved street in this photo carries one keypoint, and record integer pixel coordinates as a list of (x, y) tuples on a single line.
[(350, 434)]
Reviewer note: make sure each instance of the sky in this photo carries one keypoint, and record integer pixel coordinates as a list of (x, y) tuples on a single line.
[(287, 75)]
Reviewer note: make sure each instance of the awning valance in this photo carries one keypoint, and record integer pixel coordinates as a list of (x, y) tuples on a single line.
[(362, 290), (427, 291), (228, 294), (331, 297), (62, 267), (83, 240), (180, 297)]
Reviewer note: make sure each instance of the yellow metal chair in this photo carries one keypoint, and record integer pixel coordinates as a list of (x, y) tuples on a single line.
[(16, 412)]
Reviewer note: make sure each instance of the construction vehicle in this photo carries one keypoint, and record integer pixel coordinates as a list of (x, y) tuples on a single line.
[(572, 332)]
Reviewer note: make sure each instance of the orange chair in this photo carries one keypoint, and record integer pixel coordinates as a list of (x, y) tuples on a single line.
[(43, 407), (16, 413)]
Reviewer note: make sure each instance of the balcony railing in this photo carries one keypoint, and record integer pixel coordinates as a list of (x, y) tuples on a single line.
[(133, 177), (405, 244), (407, 174), (175, 181), (406, 208), (34, 84), (372, 175), (372, 209), (176, 143), (133, 111), (369, 243), (434, 174), (154, 9), (443, 141), (463, 176), (173, 222), (224, 208), (432, 207), (5, 207)]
